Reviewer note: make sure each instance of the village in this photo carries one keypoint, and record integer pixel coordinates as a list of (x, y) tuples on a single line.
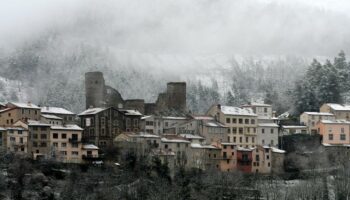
[(249, 138)]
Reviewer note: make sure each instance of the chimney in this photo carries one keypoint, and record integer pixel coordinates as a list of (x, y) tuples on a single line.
[(29, 103), (91, 106), (219, 106)]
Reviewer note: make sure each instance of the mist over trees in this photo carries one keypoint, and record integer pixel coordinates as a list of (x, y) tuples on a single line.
[(323, 83)]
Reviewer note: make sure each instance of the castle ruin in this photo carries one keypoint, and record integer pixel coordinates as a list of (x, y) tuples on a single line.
[(98, 94)]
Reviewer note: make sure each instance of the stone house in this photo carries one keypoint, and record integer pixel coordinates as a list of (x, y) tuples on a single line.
[(67, 116), (19, 111), (310, 119), (340, 111)]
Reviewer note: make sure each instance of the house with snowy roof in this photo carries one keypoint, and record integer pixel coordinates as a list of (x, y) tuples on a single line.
[(241, 124), (67, 116), (340, 111), (310, 119), (18, 111)]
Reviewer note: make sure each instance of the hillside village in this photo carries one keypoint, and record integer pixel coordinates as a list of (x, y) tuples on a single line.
[(249, 138)]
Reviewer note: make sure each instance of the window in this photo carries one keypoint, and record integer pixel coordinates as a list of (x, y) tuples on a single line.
[(64, 145), (19, 131), (9, 114), (35, 136), (268, 164), (272, 142), (63, 153), (43, 128), (262, 130), (240, 139), (234, 120), (240, 130), (43, 144), (178, 145), (246, 139), (55, 136), (224, 146), (103, 120), (263, 141), (136, 122), (252, 121), (253, 139), (240, 121), (75, 153), (35, 128), (228, 120), (12, 139), (330, 137), (342, 137), (271, 131), (246, 121), (43, 136), (128, 122), (166, 146), (35, 144), (234, 139), (267, 157), (225, 155), (342, 130), (265, 110), (74, 145), (234, 130), (11, 131), (228, 130), (248, 130), (55, 144), (64, 135), (257, 158)]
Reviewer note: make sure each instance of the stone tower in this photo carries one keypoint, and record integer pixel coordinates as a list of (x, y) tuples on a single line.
[(94, 89), (176, 96)]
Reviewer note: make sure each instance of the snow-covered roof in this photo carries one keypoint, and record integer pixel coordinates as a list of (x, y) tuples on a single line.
[(146, 135), (293, 127), (214, 124), (15, 128), (335, 145), (174, 118), (2, 129), (132, 113), (339, 107), (245, 149), (268, 125), (51, 117), (202, 117), (230, 110), (334, 121), (37, 123), (146, 117), (257, 105), (90, 146), (92, 111), (190, 136), (177, 140), (24, 105), (276, 150), (6, 109), (199, 146), (72, 127), (319, 113), (55, 110)]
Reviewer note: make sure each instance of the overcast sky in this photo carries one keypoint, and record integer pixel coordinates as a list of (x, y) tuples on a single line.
[(189, 27)]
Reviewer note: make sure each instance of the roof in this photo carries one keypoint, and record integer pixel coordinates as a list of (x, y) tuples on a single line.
[(257, 105), (319, 113), (92, 111), (190, 136), (131, 112), (37, 123), (71, 127), (174, 118), (228, 143), (15, 128), (230, 110), (334, 122), (213, 123), (56, 110), (244, 149), (199, 146), (174, 140), (2, 129), (146, 117), (25, 105), (51, 117), (275, 150), (338, 107), (202, 117), (268, 125), (292, 126), (335, 145), (6, 109), (90, 146)]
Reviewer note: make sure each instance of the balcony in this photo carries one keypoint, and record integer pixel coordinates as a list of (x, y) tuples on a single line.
[(74, 140), (91, 157), (244, 160)]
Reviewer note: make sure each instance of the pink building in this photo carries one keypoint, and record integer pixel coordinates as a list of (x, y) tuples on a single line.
[(334, 132)]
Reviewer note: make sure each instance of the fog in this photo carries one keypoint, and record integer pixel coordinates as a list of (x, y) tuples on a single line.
[(183, 27)]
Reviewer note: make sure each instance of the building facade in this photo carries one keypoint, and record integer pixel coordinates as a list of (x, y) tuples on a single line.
[(310, 119)]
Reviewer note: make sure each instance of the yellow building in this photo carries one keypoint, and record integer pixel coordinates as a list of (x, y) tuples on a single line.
[(241, 124)]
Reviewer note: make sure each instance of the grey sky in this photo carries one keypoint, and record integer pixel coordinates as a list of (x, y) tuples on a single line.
[(199, 27)]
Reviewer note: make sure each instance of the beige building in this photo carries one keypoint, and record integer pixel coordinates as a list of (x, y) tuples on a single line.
[(19, 111), (267, 134), (14, 138), (262, 110), (310, 119), (340, 111), (241, 124), (204, 157), (334, 132), (51, 119), (65, 143), (67, 116), (206, 127)]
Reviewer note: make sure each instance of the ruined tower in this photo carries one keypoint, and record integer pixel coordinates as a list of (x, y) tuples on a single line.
[(94, 89), (176, 96)]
